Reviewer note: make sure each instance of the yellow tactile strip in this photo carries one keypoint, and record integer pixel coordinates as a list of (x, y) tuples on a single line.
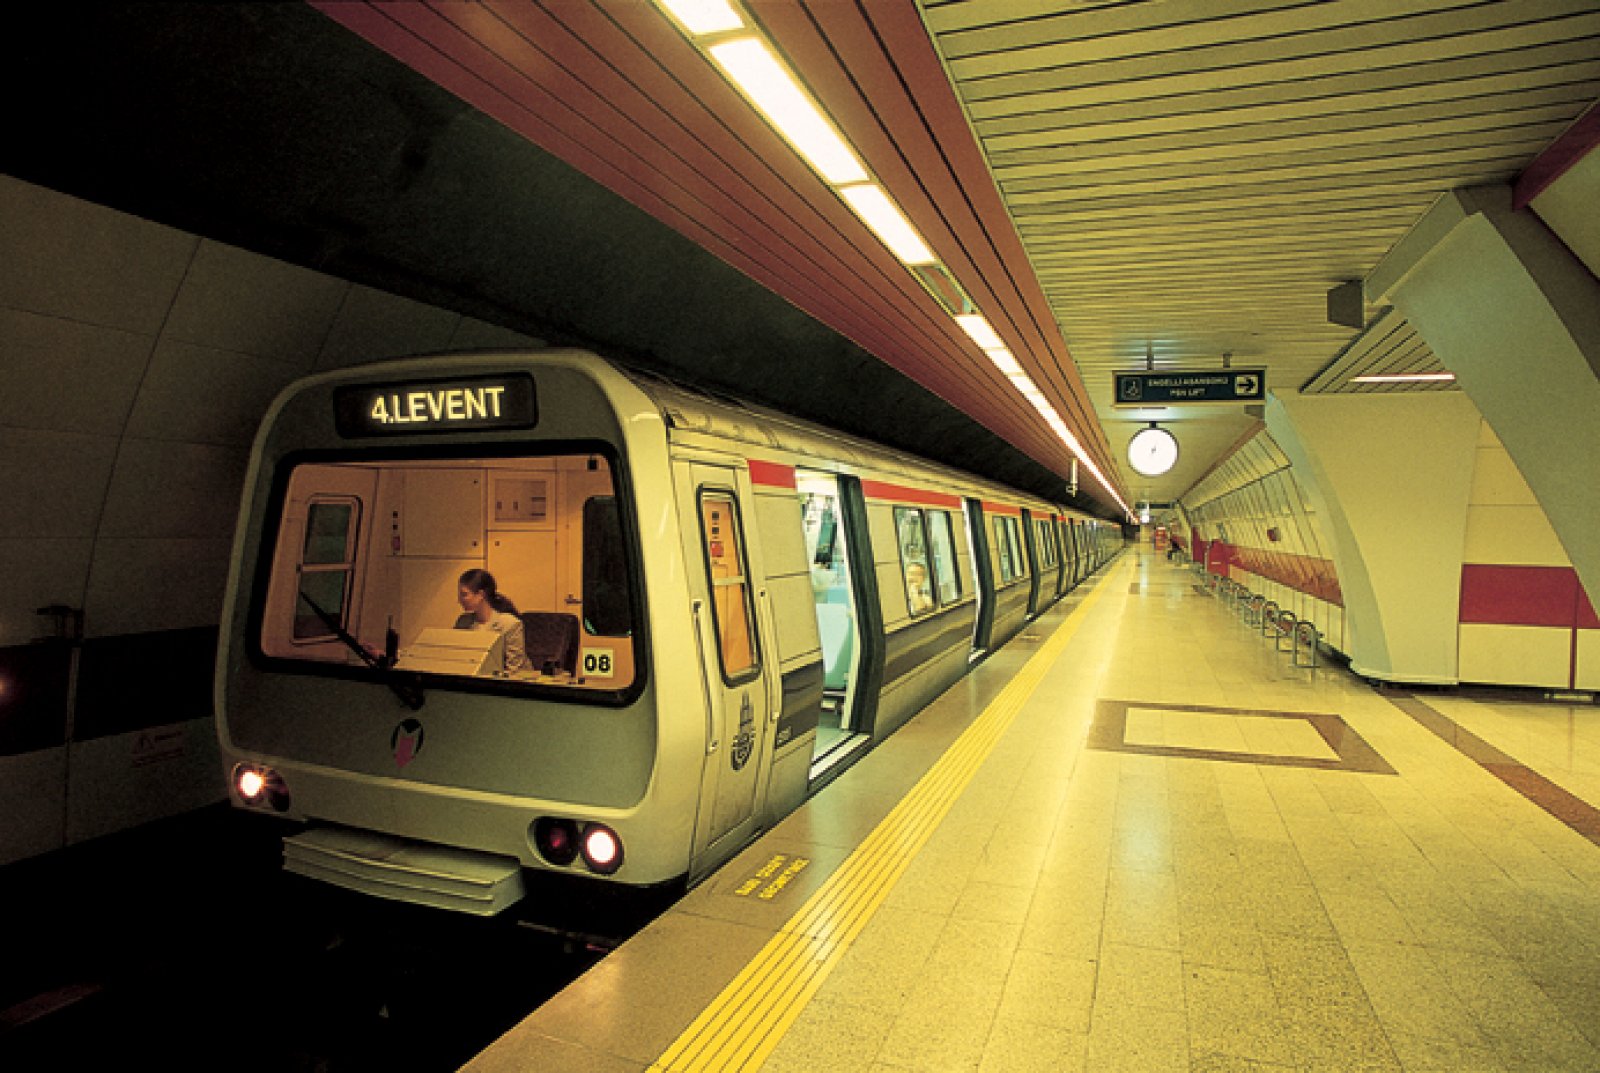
[(747, 1020)]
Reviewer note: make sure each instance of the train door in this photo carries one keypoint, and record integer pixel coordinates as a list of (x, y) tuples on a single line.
[(736, 665), (835, 593), (1035, 559), (982, 577)]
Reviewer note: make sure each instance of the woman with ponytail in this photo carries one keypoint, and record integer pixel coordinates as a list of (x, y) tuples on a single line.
[(485, 608)]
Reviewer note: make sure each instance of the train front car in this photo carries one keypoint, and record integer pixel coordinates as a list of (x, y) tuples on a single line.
[(429, 742)]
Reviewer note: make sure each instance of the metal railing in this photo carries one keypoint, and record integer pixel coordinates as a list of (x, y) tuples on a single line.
[(1299, 638)]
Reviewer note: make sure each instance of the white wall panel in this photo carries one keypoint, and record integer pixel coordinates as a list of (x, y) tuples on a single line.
[(372, 325), (1588, 676), (241, 301), (67, 375), (140, 585), (178, 490), (1512, 536), (33, 802), (35, 574), (145, 775), (203, 395), (52, 483), (66, 258), (1515, 655)]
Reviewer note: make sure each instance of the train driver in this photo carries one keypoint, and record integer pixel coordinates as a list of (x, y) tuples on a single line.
[(485, 608)]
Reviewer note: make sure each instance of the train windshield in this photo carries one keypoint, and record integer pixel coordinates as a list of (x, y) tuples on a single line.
[(514, 570)]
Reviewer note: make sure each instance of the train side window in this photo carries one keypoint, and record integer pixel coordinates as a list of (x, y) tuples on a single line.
[(913, 539), (606, 608), (1047, 543), (942, 543), (1014, 535), (327, 561), (1002, 551), (730, 586)]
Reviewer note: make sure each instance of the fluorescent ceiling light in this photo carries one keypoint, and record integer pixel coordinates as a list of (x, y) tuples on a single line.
[(1004, 361), (767, 83), (704, 16), (978, 328), (1402, 378), (888, 223)]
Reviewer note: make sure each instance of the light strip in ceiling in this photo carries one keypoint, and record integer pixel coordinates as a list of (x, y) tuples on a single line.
[(723, 32), (1403, 378)]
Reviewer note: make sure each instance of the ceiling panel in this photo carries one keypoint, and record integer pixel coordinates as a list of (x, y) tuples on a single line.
[(1191, 178)]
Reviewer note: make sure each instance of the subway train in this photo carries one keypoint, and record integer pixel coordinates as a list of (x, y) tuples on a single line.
[(721, 607)]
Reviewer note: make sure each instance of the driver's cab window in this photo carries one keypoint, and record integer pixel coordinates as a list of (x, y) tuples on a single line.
[(516, 570)]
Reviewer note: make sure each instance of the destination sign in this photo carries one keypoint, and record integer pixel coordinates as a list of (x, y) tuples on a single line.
[(455, 405), (1172, 387)]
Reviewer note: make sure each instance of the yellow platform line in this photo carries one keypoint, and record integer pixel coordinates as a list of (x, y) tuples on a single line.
[(747, 1020)]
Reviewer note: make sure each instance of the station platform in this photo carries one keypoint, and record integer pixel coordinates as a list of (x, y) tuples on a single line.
[(1137, 838)]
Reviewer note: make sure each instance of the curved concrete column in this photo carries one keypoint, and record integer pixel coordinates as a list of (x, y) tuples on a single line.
[(1516, 316), (1390, 476)]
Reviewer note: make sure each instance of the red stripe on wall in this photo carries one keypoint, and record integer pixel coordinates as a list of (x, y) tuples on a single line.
[(1519, 595), (1585, 616), (899, 493), (772, 474)]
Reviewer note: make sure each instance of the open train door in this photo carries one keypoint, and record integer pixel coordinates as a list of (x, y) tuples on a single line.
[(737, 663), (978, 540)]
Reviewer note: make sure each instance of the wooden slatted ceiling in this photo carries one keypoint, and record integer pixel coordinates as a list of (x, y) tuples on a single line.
[(1389, 346), (1194, 175), (611, 87)]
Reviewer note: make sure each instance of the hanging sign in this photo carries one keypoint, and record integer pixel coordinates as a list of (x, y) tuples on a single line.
[(1175, 387)]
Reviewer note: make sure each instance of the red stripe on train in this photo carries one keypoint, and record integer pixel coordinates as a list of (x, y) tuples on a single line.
[(771, 474), (899, 493)]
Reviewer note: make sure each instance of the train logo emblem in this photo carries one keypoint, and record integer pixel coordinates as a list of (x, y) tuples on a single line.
[(406, 741), (744, 743)]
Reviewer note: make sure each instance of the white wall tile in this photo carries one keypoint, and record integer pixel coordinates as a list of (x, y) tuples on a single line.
[(241, 301), (52, 484), (67, 375), (1515, 655), (373, 325), (1588, 669), (140, 585), (63, 257), (35, 574), (201, 395), (180, 490), (1512, 535)]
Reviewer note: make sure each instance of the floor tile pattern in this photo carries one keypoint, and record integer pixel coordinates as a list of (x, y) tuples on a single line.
[(1152, 871)]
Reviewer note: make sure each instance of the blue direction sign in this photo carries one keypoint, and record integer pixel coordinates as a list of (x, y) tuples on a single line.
[(1174, 387)]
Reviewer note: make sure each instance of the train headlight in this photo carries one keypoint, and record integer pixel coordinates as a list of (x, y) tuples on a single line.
[(557, 840), (252, 784), (602, 849), (259, 786)]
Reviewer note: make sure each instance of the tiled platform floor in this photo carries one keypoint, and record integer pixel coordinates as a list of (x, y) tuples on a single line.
[(1226, 890)]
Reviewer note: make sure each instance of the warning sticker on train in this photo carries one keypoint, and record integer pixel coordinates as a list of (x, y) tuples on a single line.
[(406, 742), (455, 405)]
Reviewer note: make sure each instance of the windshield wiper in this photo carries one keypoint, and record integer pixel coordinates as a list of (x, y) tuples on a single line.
[(409, 691)]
